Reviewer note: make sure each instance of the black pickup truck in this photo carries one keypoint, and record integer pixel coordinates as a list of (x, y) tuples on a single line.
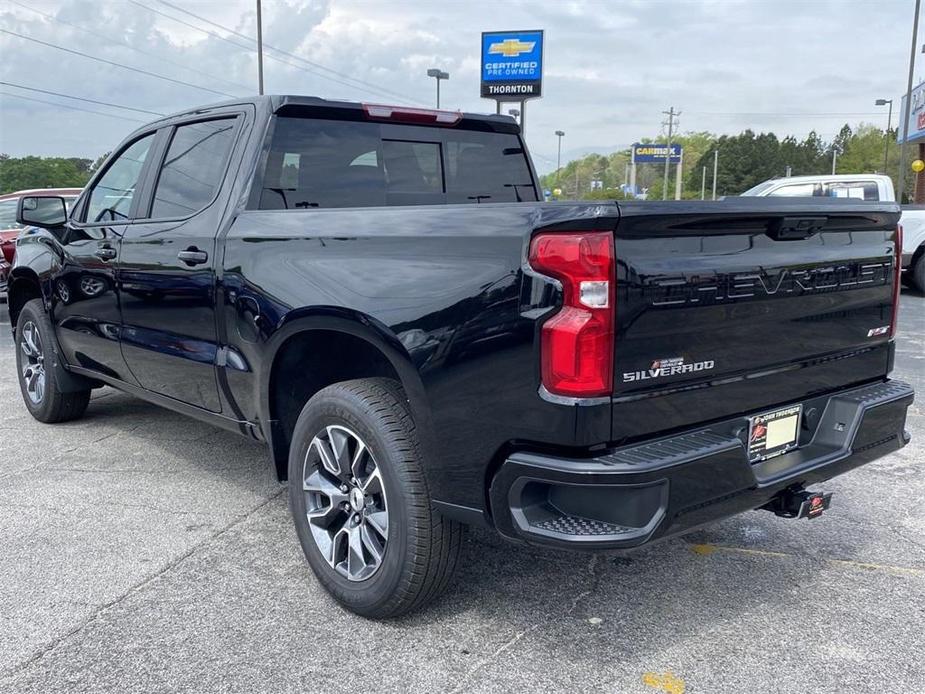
[(381, 296)]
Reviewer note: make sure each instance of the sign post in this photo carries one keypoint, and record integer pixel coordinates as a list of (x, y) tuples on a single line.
[(512, 68)]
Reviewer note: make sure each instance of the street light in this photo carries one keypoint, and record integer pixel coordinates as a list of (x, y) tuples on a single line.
[(513, 113), (438, 75), (560, 134), (889, 117)]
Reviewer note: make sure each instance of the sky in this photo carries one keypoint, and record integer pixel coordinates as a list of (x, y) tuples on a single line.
[(611, 67)]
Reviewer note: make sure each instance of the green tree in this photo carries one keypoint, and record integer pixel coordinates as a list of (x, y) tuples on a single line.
[(42, 172)]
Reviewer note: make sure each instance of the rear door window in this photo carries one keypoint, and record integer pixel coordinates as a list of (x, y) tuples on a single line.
[(327, 163), (858, 190)]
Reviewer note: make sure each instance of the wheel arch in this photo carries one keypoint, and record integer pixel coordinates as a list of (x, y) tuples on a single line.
[(335, 345), (24, 285)]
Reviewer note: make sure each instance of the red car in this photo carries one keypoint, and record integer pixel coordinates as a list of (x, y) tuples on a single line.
[(9, 229), (4, 275)]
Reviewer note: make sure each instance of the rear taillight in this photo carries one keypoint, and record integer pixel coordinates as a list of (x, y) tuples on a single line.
[(897, 276), (577, 343)]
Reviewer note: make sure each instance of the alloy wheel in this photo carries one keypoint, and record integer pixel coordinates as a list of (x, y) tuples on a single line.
[(345, 502), (33, 363)]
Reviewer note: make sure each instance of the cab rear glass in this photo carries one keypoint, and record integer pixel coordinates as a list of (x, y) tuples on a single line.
[(316, 163)]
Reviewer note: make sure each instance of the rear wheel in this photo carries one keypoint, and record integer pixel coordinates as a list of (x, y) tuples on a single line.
[(36, 362), (360, 501), (918, 273)]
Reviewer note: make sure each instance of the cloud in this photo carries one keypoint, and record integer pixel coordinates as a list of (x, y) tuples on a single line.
[(612, 67)]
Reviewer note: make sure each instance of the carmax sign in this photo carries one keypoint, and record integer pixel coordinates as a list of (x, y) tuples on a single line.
[(512, 65)]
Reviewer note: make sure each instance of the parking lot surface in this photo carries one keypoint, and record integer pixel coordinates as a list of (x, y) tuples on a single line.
[(141, 551)]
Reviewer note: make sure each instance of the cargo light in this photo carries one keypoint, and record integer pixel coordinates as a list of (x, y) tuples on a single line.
[(412, 115), (897, 276), (577, 343)]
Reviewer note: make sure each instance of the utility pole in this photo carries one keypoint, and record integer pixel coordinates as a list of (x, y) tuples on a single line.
[(259, 50), (908, 105), (715, 167), (703, 184), (834, 158), (886, 135), (672, 114)]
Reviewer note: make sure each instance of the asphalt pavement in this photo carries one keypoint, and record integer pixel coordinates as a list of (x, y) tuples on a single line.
[(141, 551)]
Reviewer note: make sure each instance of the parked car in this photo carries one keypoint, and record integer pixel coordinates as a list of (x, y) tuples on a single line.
[(872, 187), (10, 228), (380, 295)]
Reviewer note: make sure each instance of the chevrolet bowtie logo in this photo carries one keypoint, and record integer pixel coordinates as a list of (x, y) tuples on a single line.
[(511, 48)]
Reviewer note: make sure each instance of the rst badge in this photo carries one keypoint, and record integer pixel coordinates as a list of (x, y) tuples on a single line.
[(667, 367)]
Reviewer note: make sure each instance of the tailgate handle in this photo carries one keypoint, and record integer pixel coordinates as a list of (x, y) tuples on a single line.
[(794, 228)]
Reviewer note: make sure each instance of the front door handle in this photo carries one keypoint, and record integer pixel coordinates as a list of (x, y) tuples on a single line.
[(105, 253), (193, 256)]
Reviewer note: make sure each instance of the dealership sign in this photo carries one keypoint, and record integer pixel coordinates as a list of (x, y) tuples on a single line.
[(655, 154), (512, 65), (916, 116)]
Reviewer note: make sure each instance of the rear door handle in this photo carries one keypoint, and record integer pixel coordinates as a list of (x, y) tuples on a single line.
[(193, 256), (105, 253)]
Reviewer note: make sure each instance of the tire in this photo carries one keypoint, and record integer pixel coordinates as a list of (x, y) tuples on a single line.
[(918, 273), (419, 549), (37, 362)]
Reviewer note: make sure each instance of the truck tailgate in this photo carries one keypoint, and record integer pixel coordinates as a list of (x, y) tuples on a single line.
[(743, 304)]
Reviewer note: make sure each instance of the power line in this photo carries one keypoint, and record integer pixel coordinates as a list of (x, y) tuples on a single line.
[(80, 98), (318, 66), (67, 106), (793, 114), (109, 39), (378, 92), (115, 64)]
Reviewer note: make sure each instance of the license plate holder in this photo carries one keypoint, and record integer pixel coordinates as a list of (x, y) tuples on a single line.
[(774, 433)]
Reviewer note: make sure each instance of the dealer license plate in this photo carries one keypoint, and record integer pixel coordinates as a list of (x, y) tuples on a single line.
[(773, 433)]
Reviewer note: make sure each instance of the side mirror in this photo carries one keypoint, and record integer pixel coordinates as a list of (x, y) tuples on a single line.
[(47, 211)]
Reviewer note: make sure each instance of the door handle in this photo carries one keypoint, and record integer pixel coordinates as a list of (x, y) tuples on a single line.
[(193, 256), (105, 253)]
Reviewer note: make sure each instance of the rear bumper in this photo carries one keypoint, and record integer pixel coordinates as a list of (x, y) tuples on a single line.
[(636, 494)]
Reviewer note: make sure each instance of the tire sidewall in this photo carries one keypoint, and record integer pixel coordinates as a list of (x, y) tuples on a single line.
[(38, 318), (918, 273), (336, 406)]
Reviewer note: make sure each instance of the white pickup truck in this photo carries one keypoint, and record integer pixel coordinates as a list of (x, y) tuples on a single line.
[(875, 187)]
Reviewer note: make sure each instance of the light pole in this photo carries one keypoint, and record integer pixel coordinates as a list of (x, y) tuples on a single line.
[(513, 113), (560, 134), (259, 49), (438, 75), (886, 137)]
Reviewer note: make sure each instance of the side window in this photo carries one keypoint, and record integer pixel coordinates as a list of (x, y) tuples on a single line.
[(8, 215), (111, 197), (798, 190), (193, 168)]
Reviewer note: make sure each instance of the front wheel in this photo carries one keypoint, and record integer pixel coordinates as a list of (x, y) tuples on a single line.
[(360, 501), (36, 361)]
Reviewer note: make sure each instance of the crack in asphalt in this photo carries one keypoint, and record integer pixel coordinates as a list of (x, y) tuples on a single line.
[(11, 672), (595, 580)]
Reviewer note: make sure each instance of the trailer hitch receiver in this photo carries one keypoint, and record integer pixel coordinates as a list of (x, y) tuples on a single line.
[(799, 503)]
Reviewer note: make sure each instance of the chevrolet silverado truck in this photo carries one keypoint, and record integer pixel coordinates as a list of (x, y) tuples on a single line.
[(381, 296)]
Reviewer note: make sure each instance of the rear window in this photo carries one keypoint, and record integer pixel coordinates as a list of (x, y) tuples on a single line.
[(330, 163)]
